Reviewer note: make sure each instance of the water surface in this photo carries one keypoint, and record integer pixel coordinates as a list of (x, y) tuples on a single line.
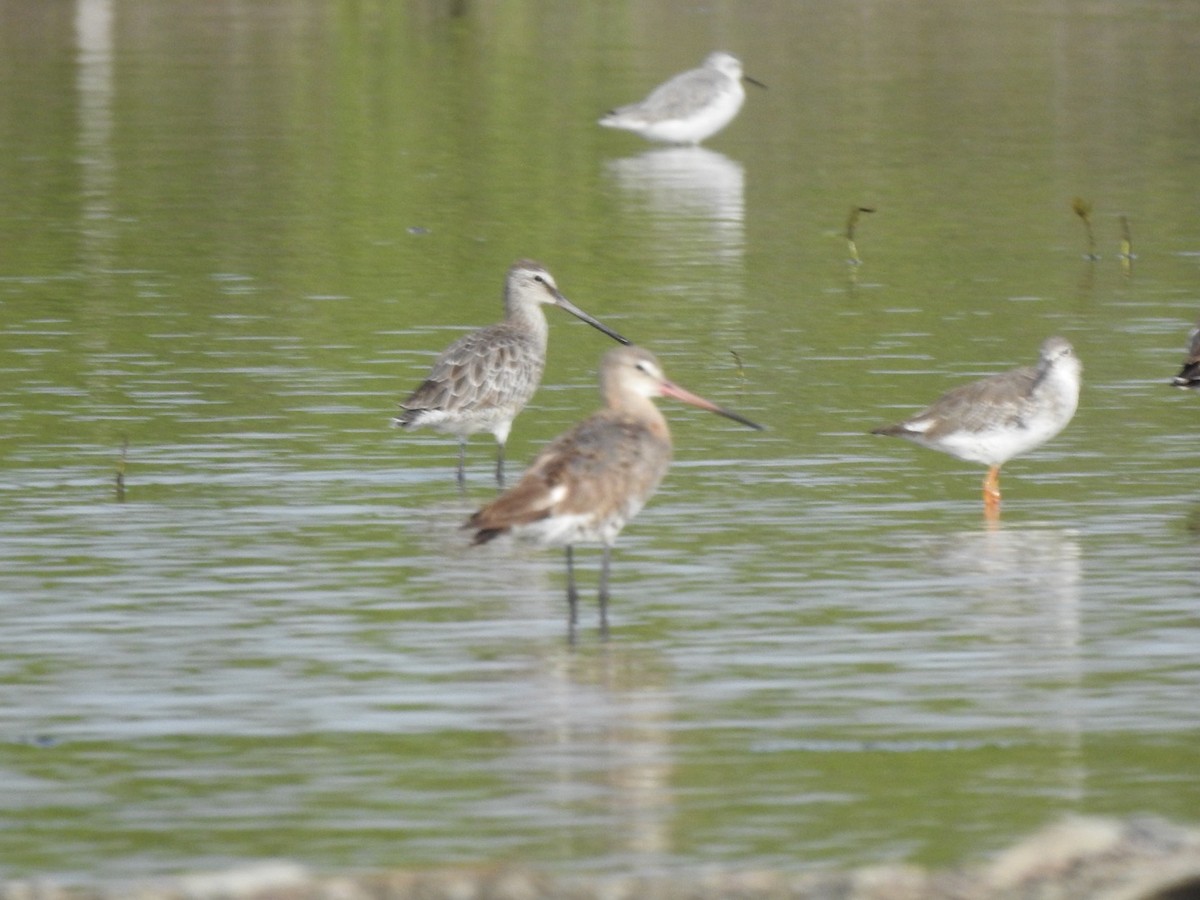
[(232, 236)]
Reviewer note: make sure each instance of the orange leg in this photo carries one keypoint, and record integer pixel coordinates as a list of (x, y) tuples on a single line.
[(991, 492)]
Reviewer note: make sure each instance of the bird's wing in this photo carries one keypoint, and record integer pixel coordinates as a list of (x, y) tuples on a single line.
[(1001, 400), (485, 367), (592, 469), (679, 96)]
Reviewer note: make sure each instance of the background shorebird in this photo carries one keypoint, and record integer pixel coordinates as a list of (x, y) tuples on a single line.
[(689, 107), (1189, 375), (992, 420), (590, 481), (483, 380)]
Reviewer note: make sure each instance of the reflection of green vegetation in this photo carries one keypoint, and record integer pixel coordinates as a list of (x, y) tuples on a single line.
[(852, 228), (1083, 209), (321, 796), (295, 205), (918, 787)]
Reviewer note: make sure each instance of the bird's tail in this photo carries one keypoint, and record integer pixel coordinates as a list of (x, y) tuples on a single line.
[(1189, 376), (408, 418), (483, 535)]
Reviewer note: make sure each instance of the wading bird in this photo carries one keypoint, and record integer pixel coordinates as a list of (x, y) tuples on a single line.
[(1189, 375), (593, 479), (483, 380), (689, 107), (992, 420)]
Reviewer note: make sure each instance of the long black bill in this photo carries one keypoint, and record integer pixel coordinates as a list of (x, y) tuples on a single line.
[(594, 322)]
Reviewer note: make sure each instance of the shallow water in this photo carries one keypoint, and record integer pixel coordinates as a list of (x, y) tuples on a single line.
[(233, 236)]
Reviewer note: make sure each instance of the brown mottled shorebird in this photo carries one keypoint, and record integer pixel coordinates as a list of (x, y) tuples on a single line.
[(483, 380), (689, 107), (590, 481), (1189, 375), (992, 420)]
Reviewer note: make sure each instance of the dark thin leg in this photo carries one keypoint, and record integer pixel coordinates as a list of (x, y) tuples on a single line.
[(604, 559), (500, 466), (572, 594), (462, 463)]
